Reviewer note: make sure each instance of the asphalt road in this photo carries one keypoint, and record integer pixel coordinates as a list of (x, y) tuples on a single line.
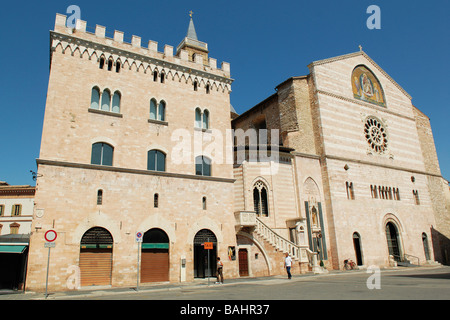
[(401, 284)]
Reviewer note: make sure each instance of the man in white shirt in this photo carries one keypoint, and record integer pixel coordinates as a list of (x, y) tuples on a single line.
[(288, 264)]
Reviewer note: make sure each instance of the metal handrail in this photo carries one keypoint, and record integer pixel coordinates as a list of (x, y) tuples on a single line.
[(410, 255)]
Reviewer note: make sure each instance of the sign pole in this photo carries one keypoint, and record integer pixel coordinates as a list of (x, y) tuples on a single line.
[(137, 283), (46, 279), (209, 269), (49, 237), (139, 239)]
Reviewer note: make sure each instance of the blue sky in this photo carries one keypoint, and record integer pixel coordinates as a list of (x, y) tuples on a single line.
[(266, 42)]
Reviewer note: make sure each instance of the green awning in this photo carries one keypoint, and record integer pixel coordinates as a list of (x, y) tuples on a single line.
[(155, 246), (12, 249)]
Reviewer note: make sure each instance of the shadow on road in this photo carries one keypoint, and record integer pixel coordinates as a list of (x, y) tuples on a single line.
[(426, 276)]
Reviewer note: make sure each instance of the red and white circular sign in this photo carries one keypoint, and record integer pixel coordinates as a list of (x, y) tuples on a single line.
[(50, 235)]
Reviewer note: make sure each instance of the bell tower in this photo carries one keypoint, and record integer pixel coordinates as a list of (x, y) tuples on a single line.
[(192, 45)]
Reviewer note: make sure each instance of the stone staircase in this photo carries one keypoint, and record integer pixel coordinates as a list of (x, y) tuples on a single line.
[(300, 253), (280, 244)]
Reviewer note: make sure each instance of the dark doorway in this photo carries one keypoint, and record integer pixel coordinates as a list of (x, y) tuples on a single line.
[(425, 246), (202, 268), (357, 246), (393, 241), (243, 262)]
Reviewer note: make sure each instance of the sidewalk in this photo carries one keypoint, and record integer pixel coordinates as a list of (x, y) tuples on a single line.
[(154, 287)]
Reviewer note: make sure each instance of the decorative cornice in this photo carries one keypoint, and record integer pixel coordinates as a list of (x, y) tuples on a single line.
[(364, 104), (355, 54), (388, 166), (131, 171), (78, 42)]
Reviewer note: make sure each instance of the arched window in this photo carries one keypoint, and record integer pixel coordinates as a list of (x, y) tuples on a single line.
[(116, 102), (162, 111), (204, 203), (195, 85), (99, 197), (202, 166), (110, 64), (260, 199), (153, 109), (155, 200), (102, 153), (256, 201), (207, 88), (162, 77), (416, 197), (155, 75), (205, 119), (198, 118), (102, 62), (95, 98), (156, 160), (106, 100), (118, 66), (425, 246), (97, 237), (357, 247)]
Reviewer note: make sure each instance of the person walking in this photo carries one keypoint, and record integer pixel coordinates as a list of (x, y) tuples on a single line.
[(288, 264), (219, 273)]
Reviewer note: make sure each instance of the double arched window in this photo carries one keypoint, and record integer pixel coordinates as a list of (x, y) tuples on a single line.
[(156, 160), (260, 199), (203, 166), (201, 118), (157, 111), (107, 102), (102, 154)]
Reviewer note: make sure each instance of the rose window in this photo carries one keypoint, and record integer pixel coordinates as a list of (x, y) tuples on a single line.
[(376, 135)]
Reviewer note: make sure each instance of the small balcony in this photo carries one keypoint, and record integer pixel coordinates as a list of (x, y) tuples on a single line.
[(245, 219)]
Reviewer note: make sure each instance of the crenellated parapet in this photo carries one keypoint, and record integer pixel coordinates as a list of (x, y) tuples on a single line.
[(79, 42)]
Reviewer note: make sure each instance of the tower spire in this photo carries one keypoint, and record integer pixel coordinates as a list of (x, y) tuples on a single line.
[(192, 45), (191, 29)]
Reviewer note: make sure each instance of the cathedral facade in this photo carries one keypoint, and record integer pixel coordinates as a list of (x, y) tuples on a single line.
[(131, 181)]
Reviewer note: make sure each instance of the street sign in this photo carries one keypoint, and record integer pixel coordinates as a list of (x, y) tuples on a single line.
[(208, 245), (139, 236), (50, 235)]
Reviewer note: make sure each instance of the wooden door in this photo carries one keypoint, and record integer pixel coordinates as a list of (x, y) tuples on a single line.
[(154, 265), (243, 262), (95, 267)]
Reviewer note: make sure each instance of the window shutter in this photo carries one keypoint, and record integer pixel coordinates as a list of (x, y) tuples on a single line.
[(116, 102), (151, 160), (96, 155), (264, 209), (256, 201), (107, 155), (106, 100), (160, 161), (206, 167), (205, 119), (198, 165), (152, 109), (161, 111), (198, 118), (95, 98)]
